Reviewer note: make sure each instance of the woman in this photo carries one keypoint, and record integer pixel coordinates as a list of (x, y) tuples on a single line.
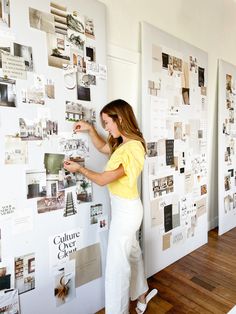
[(126, 146)]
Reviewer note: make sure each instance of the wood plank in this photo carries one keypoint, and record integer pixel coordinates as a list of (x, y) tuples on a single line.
[(202, 283)]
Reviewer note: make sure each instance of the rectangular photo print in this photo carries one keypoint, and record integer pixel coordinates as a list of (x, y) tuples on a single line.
[(16, 151), (26, 53), (41, 20), (5, 13), (9, 302), (75, 112), (70, 203), (64, 280), (36, 183), (73, 146), (25, 273), (7, 92)]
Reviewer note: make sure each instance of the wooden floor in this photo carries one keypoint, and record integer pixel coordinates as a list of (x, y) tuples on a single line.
[(201, 282)]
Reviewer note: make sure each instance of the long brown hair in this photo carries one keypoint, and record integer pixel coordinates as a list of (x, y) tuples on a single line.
[(122, 114)]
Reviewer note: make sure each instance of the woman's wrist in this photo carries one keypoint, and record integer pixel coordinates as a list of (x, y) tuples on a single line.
[(83, 170), (91, 130)]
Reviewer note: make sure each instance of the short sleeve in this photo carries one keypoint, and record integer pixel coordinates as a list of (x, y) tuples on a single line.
[(132, 159)]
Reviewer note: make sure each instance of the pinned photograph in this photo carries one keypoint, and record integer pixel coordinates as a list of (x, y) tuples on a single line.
[(41, 20), (50, 89), (82, 64), (50, 203), (177, 64), (69, 178), (92, 68), (36, 183), (9, 302), (102, 72), (227, 183), (169, 152), (74, 55), (30, 130), (60, 17), (193, 64), (103, 223), (64, 290), (185, 96), (25, 273), (203, 189), (168, 223), (57, 57), (75, 22), (26, 53), (83, 93), (96, 211), (185, 75), (154, 87), (165, 60), (4, 49), (231, 115), (7, 92), (234, 200), (32, 95), (90, 53), (89, 28), (76, 112), (229, 83), (178, 131), (38, 129), (73, 146), (16, 151), (84, 190), (201, 76), (75, 31), (162, 186), (70, 206), (228, 203), (36, 92), (53, 163), (5, 279), (86, 80), (5, 13), (152, 149)]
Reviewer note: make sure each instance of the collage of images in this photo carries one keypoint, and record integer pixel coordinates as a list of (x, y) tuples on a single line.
[(177, 145), (71, 43), (229, 143)]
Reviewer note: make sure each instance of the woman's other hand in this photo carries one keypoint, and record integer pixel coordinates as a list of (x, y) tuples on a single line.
[(71, 166)]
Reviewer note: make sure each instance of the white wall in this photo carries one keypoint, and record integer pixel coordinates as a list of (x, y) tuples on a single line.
[(207, 24)]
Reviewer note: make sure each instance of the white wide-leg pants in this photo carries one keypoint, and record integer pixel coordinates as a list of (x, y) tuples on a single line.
[(124, 277)]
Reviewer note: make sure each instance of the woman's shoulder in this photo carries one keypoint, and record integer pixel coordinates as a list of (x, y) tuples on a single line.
[(132, 146)]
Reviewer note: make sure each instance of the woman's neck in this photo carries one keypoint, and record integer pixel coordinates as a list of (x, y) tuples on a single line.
[(124, 139)]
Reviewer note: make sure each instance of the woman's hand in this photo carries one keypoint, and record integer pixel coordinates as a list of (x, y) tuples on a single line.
[(71, 166), (82, 126)]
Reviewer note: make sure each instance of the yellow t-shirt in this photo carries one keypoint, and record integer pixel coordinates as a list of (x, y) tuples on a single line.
[(131, 156)]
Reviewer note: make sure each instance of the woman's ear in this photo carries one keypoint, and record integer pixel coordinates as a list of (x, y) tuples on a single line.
[(120, 119)]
